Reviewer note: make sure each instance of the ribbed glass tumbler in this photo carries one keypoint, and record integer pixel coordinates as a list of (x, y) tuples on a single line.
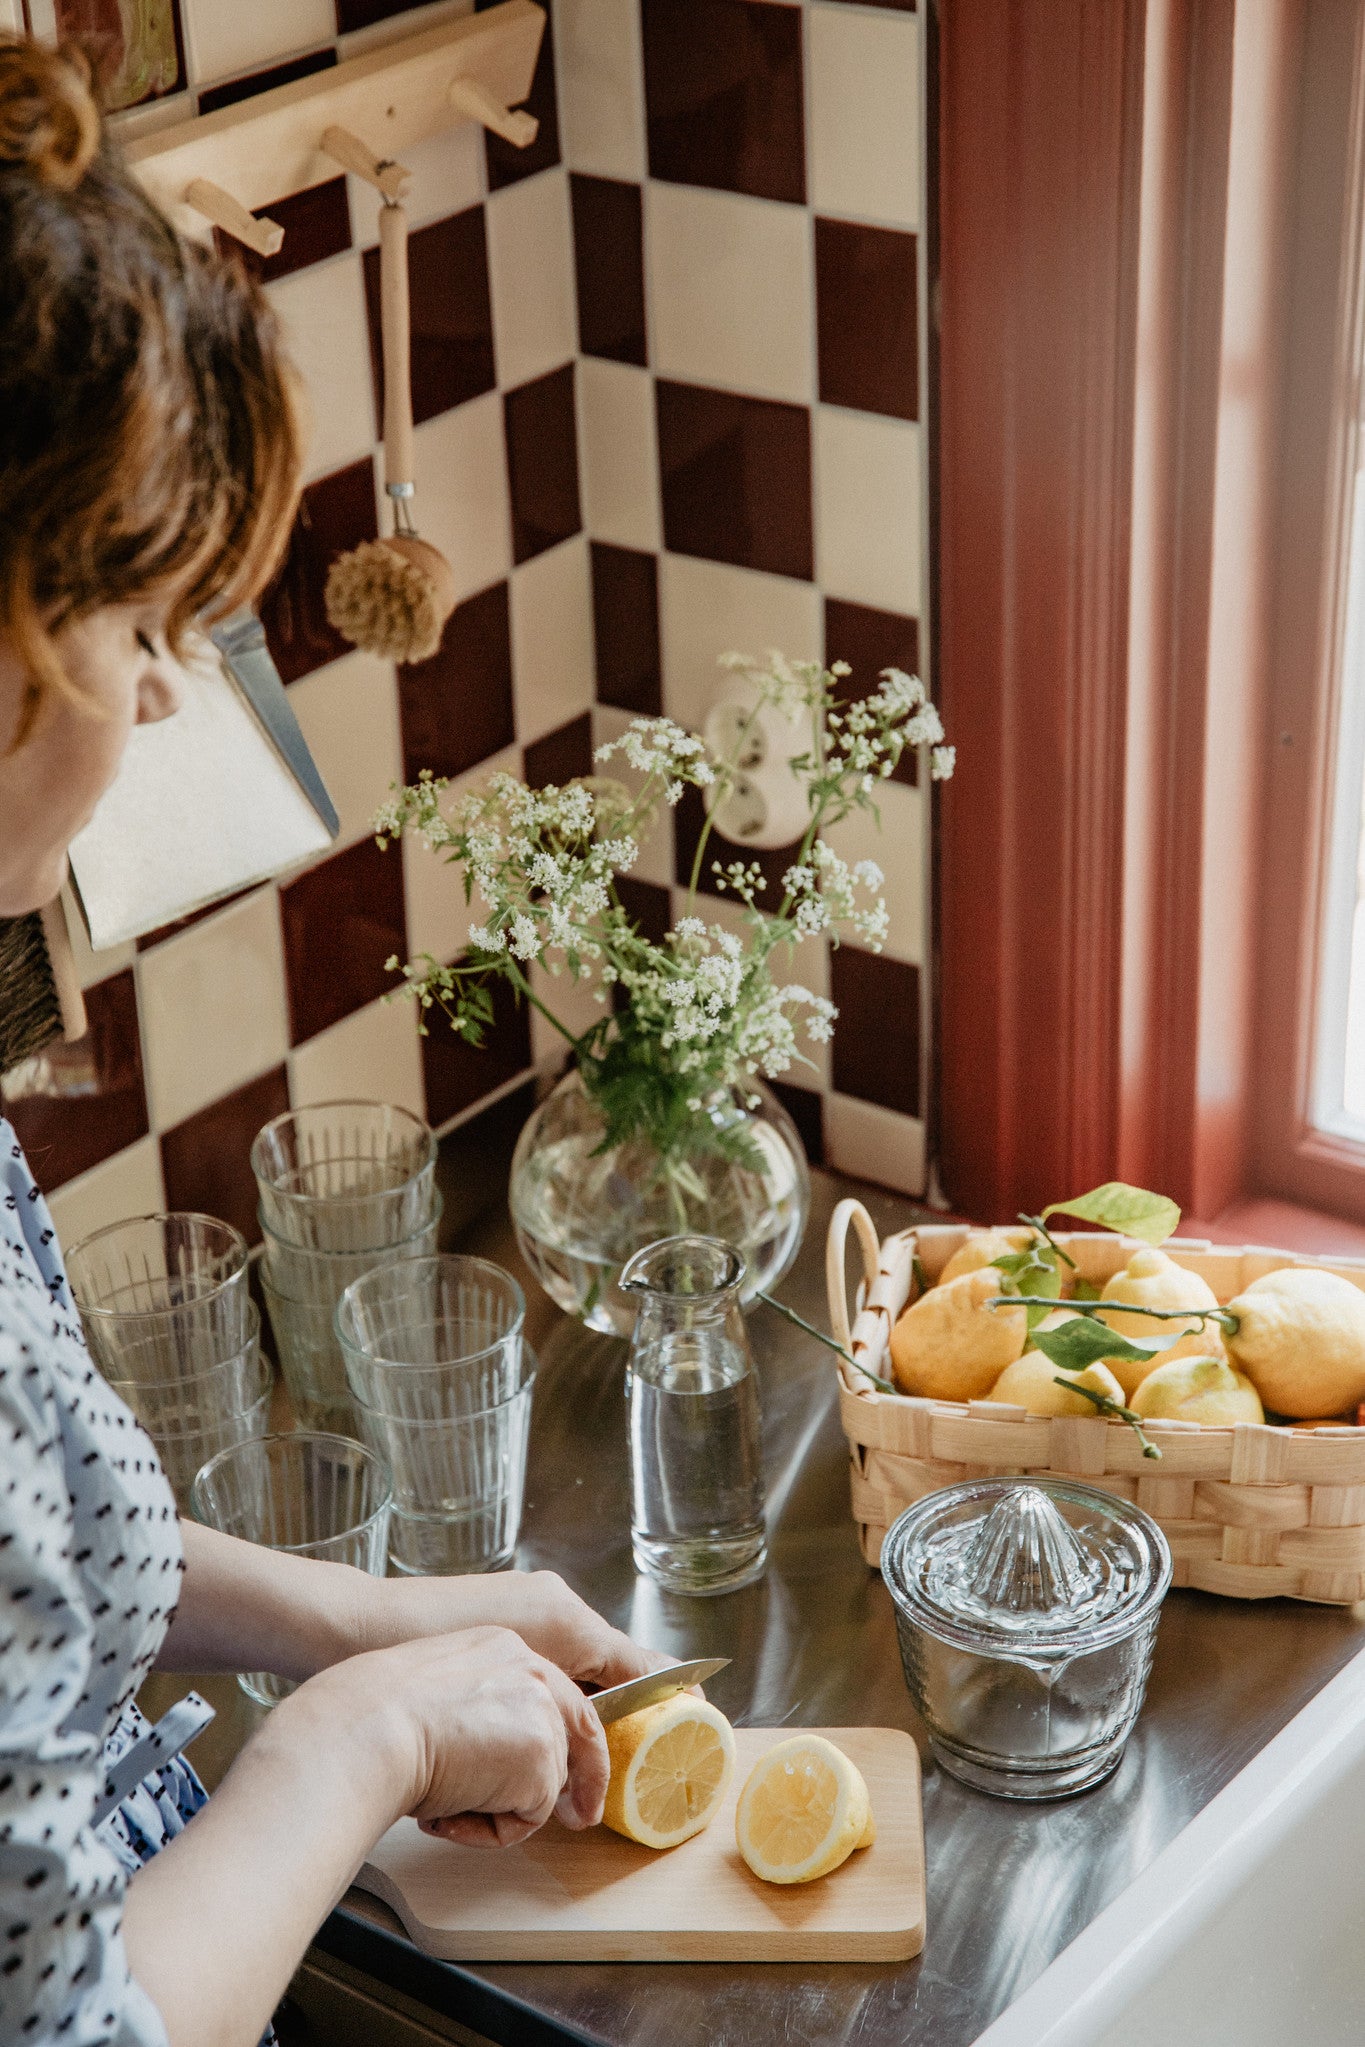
[(345, 1176), (191, 1418), (443, 1381), (313, 1494), (172, 1288)]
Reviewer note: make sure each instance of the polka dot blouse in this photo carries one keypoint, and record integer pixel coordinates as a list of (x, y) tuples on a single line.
[(90, 1564)]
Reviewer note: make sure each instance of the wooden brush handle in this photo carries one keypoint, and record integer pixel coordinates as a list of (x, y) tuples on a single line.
[(396, 330), (65, 978)]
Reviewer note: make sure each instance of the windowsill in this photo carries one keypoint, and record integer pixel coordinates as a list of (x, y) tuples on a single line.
[(1281, 1226)]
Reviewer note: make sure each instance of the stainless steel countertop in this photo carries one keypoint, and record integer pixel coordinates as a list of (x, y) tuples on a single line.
[(814, 1645)]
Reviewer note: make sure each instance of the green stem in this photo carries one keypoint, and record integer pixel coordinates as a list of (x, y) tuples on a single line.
[(728, 770), (1035, 1222), (1097, 1310), (1107, 1405), (790, 1315), (524, 988)]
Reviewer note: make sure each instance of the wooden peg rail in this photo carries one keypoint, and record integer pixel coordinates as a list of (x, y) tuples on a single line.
[(363, 114)]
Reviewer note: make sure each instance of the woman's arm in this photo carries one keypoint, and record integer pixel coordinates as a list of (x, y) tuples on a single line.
[(473, 1733), (244, 1607)]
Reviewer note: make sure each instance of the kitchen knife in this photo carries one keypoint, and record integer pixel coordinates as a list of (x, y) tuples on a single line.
[(640, 1692)]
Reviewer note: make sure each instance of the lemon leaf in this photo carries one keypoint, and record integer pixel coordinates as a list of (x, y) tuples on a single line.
[(1083, 1341), (1117, 1206)]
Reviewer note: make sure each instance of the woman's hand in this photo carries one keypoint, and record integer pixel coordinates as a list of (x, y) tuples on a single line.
[(486, 1737)]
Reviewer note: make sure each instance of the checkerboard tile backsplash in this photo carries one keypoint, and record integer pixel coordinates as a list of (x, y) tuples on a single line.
[(668, 386)]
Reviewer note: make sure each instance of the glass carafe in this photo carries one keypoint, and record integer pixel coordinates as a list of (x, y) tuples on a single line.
[(695, 1466)]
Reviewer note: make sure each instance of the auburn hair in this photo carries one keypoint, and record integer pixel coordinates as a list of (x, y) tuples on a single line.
[(149, 446)]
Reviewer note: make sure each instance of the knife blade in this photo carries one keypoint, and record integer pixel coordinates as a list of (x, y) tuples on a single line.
[(640, 1692)]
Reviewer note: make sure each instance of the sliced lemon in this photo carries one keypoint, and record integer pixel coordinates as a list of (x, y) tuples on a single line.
[(803, 1811), (671, 1766)]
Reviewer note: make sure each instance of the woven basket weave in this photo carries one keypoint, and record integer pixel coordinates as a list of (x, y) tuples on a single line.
[(1252, 1511)]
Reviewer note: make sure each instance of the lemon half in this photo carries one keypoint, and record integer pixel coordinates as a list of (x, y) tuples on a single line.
[(803, 1811), (671, 1765)]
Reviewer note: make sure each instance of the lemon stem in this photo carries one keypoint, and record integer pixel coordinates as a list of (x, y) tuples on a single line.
[(1035, 1222), (1107, 1405), (1097, 1310), (790, 1315)]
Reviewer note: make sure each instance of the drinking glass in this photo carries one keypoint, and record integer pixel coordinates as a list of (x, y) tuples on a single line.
[(172, 1286), (312, 1494), (695, 1461), (443, 1383), (191, 1420), (345, 1176)]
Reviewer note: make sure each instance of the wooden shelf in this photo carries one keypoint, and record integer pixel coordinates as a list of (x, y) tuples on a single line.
[(265, 148)]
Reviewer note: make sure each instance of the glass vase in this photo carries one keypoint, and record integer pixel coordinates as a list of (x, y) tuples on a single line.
[(582, 1209)]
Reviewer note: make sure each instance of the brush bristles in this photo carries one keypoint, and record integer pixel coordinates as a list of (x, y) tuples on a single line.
[(380, 601), (30, 1007)]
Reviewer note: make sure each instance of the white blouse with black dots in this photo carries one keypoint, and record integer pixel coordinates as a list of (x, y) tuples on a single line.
[(90, 1564)]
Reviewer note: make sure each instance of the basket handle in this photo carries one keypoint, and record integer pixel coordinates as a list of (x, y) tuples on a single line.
[(836, 1284)]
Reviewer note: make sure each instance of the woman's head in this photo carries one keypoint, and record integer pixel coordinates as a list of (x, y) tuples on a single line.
[(148, 452)]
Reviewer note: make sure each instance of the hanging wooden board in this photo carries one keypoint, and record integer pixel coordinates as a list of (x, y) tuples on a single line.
[(595, 1897)]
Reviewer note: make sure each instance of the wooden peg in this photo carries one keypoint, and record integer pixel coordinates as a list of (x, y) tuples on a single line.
[(473, 100), (264, 236), (387, 177)]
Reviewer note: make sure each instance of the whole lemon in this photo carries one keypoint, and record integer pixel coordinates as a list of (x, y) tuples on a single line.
[(1151, 1279), (982, 1248), (1300, 1339), (1031, 1382), (950, 1345), (1203, 1390)]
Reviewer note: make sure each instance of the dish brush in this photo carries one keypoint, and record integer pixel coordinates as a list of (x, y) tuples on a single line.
[(393, 597), (40, 992)]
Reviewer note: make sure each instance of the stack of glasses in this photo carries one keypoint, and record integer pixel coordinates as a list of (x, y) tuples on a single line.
[(173, 1329), (344, 1187), (443, 1379)]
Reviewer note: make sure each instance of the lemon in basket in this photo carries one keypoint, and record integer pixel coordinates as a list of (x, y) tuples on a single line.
[(1151, 1279), (671, 1766), (1031, 1382), (1204, 1390), (982, 1248), (1300, 1339), (803, 1811), (950, 1345)]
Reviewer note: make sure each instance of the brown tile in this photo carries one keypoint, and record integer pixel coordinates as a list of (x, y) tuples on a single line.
[(364, 13), (456, 708), (336, 514), (542, 463), (902, 6), (688, 819), (867, 319), (609, 263), (127, 77), (803, 1105), (724, 99), (649, 907), (67, 1134), (207, 1159), (316, 223), (452, 315), (235, 89), (561, 755), (507, 163), (342, 920), (870, 641), (625, 616), (876, 1048), (473, 1163), (736, 478), (458, 1073)]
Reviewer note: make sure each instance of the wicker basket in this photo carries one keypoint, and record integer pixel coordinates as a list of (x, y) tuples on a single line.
[(1251, 1511)]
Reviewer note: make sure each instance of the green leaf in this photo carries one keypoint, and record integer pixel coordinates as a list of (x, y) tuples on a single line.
[(1086, 1290), (1083, 1341), (1118, 1206)]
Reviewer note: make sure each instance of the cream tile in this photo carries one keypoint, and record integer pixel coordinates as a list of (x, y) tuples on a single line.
[(127, 1184), (864, 115), (373, 1056), (730, 287), (462, 502), (92, 967), (874, 1144), (707, 609), (348, 712), (552, 639), (618, 454), (899, 850), (438, 918), (530, 274), (322, 310), (212, 1008), (571, 1001), (867, 509), (447, 176), (656, 849), (601, 87), (224, 41)]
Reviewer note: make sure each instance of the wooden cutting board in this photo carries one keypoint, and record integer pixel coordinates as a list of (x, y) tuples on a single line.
[(595, 1897)]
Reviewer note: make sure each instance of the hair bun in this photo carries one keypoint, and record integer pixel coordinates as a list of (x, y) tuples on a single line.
[(48, 117)]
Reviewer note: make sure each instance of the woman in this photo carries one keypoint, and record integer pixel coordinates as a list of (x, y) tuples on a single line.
[(148, 471)]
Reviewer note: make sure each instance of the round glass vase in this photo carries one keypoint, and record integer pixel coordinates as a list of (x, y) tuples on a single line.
[(582, 1211)]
